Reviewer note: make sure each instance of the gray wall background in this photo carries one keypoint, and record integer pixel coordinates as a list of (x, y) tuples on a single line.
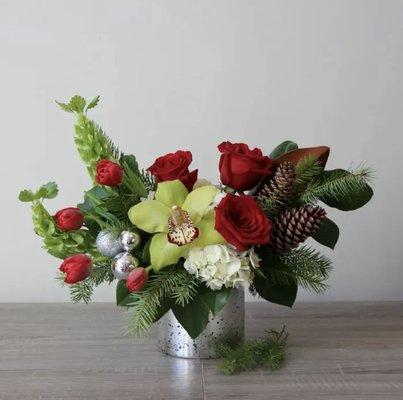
[(189, 74)]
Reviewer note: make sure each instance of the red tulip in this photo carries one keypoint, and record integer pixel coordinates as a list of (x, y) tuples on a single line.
[(69, 219), (76, 268)]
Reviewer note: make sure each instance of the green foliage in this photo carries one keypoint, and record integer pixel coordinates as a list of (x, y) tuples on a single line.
[(93, 103), (283, 148), (132, 177), (47, 191), (306, 170), (193, 316), (269, 205), (345, 190), (148, 180), (83, 291), (268, 286), (307, 267), (163, 290), (76, 104), (93, 144), (267, 353), (327, 234)]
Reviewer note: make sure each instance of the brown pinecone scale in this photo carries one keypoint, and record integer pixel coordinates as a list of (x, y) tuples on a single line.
[(295, 225), (280, 185)]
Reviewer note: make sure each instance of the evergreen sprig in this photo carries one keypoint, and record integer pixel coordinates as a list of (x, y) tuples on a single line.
[(306, 266), (306, 170), (337, 184), (154, 300), (269, 204), (267, 353)]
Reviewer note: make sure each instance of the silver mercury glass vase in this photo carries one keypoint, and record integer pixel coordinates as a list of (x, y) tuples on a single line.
[(175, 341)]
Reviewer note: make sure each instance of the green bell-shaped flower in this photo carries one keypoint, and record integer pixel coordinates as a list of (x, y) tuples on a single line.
[(158, 216)]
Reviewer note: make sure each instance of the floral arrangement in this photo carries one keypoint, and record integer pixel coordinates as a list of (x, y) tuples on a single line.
[(176, 242)]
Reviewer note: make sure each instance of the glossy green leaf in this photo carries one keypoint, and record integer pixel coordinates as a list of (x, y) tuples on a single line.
[(151, 216), (215, 299), (347, 200), (124, 298), (171, 193), (327, 234), (283, 293), (193, 317), (283, 148)]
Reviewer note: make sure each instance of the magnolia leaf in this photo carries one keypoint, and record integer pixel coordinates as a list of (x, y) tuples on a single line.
[(321, 153), (193, 316), (123, 296), (151, 216), (349, 199), (327, 234), (198, 200), (283, 293), (215, 299), (93, 103), (163, 253), (283, 148), (171, 193)]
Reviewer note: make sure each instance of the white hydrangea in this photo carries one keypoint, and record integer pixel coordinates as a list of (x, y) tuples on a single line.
[(219, 266)]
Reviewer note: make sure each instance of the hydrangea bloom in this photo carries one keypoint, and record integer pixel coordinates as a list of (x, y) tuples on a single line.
[(219, 266)]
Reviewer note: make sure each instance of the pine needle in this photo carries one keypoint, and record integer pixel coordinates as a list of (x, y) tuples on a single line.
[(170, 283), (340, 185), (267, 353), (308, 267)]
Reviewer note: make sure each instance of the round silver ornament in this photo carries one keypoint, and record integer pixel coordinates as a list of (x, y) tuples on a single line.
[(129, 240), (108, 243), (122, 264)]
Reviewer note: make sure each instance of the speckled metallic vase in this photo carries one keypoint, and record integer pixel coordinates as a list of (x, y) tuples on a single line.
[(175, 341)]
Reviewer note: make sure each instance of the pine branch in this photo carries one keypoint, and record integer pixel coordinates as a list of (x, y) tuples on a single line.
[(149, 304), (269, 205), (81, 291), (148, 180), (306, 170), (186, 289), (268, 353), (308, 267), (340, 184)]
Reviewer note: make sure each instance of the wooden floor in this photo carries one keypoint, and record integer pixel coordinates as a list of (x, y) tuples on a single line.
[(65, 351)]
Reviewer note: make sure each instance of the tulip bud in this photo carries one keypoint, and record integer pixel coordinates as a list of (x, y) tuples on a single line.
[(109, 173), (136, 279), (69, 219), (77, 268)]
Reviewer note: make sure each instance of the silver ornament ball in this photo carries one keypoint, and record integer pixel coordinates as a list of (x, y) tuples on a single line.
[(108, 243), (129, 240), (122, 264)]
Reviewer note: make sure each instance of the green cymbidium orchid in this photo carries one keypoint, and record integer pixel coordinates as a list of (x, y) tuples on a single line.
[(152, 216)]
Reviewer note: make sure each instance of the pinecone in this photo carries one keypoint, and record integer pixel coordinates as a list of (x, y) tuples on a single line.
[(280, 185), (295, 225)]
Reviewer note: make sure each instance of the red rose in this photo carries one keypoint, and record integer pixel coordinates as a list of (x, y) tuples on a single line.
[(242, 222), (137, 279), (109, 173), (76, 268), (174, 166), (242, 168), (69, 219)]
